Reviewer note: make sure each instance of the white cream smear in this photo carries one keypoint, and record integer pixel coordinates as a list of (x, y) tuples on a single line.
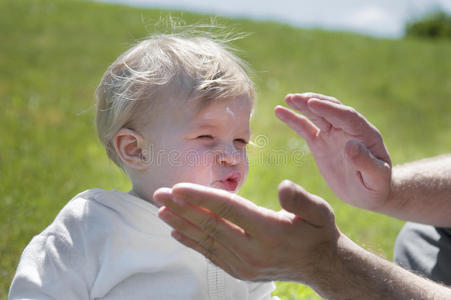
[(230, 112), (232, 115)]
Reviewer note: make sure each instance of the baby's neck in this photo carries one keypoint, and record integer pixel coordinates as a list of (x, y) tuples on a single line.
[(137, 193)]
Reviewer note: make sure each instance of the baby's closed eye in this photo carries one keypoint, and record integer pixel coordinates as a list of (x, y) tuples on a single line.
[(206, 136), (242, 141)]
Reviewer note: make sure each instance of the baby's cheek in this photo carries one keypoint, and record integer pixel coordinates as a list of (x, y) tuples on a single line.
[(199, 164), (201, 157), (244, 167)]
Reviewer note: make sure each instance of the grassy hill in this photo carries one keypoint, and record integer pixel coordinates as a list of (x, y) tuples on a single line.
[(53, 54)]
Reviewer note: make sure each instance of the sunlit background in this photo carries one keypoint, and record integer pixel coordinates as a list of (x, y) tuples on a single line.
[(54, 52), (381, 18)]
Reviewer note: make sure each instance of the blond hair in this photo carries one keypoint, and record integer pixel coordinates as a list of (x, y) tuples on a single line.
[(162, 67)]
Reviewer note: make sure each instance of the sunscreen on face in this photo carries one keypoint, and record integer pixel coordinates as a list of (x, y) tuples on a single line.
[(230, 112)]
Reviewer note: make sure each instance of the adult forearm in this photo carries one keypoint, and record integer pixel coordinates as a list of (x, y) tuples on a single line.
[(354, 273), (421, 191)]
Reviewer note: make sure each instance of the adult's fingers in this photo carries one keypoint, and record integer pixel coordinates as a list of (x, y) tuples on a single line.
[(214, 247), (229, 206), (299, 102), (309, 95), (374, 172), (217, 257), (306, 129), (343, 117), (308, 207), (196, 222), (353, 123)]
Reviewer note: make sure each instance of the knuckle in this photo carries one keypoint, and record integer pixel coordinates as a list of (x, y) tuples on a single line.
[(326, 211), (379, 138), (210, 225), (357, 118), (209, 244), (352, 112), (226, 209)]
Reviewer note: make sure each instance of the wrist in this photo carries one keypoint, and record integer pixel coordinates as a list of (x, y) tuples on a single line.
[(325, 262), (394, 202), (329, 278)]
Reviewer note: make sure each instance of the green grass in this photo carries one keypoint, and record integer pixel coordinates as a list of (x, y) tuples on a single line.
[(53, 53)]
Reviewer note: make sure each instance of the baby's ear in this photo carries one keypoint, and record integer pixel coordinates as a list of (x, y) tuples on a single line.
[(129, 146)]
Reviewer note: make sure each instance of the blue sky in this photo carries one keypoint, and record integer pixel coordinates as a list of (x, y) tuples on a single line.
[(382, 18)]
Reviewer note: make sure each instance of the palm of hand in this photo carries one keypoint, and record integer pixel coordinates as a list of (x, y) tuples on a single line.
[(349, 151)]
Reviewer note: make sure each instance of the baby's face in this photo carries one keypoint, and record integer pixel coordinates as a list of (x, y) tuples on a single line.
[(204, 145)]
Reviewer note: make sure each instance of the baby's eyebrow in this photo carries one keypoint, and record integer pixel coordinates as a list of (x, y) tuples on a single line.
[(205, 125), (210, 125), (195, 128)]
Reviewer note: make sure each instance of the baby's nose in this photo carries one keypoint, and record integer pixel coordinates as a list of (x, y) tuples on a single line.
[(229, 155)]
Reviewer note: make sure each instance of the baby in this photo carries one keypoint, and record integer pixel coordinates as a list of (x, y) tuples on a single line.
[(171, 109)]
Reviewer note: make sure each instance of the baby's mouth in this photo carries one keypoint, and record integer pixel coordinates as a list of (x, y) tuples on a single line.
[(229, 183)]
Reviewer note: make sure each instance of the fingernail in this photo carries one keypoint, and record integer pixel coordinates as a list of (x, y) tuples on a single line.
[(291, 187)]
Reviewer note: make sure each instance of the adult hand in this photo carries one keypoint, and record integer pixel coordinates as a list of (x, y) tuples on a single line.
[(252, 242), (348, 150), (300, 243)]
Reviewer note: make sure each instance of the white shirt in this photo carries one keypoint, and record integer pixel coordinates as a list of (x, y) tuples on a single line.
[(112, 245)]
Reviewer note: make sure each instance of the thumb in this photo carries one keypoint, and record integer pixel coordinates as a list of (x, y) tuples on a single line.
[(375, 172), (309, 207)]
